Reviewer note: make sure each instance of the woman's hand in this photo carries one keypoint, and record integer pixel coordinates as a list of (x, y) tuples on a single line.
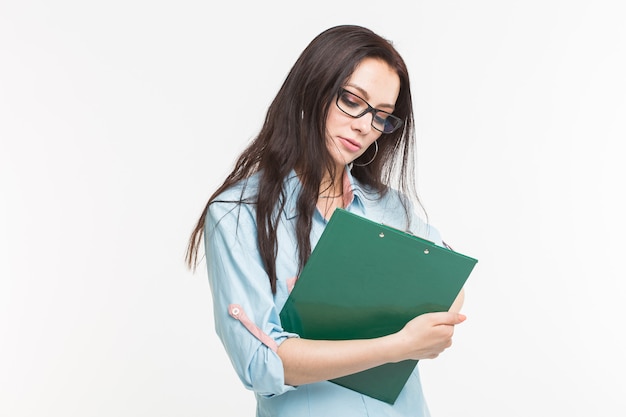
[(427, 335), (458, 302)]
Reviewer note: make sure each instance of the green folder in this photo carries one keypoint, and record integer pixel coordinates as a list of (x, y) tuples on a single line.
[(365, 280)]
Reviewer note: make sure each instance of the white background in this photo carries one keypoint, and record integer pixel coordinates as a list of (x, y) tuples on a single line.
[(118, 119)]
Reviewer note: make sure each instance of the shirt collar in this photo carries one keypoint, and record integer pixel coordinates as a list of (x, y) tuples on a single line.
[(353, 192)]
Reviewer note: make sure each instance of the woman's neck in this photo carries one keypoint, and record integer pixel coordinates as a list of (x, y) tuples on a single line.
[(331, 194)]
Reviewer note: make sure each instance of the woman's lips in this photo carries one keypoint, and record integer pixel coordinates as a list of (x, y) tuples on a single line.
[(350, 144)]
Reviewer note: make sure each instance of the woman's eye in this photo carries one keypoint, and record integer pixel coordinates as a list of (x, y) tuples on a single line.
[(350, 101), (381, 117)]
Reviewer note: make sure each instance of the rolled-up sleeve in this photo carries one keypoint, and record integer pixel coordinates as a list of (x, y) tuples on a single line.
[(237, 278)]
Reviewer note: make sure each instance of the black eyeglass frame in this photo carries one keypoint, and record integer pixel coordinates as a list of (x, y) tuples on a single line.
[(396, 121)]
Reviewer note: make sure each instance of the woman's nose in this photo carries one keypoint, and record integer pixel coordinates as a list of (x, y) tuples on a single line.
[(364, 123)]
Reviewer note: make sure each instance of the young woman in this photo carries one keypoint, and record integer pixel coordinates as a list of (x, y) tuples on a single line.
[(339, 131)]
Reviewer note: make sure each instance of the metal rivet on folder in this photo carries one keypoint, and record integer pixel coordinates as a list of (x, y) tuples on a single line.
[(382, 234), (426, 251)]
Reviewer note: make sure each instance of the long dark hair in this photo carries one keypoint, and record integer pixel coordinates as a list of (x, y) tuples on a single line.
[(293, 137)]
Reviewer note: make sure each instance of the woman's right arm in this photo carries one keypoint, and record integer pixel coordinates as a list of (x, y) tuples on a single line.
[(245, 315), (425, 337)]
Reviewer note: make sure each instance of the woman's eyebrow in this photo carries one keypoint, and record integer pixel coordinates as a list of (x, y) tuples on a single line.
[(366, 96)]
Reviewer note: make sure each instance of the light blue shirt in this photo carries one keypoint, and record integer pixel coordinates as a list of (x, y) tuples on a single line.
[(247, 313)]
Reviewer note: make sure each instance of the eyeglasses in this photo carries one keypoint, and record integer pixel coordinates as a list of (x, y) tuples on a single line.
[(355, 106)]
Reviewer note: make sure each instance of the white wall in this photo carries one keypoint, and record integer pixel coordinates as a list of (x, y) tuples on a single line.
[(118, 118)]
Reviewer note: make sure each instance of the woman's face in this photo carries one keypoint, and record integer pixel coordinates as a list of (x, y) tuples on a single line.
[(347, 137)]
